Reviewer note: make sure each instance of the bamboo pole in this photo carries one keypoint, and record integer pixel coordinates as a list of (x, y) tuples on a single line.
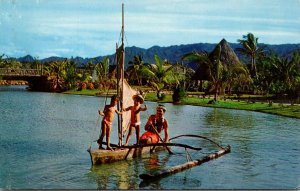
[(197, 136), (187, 165), (164, 145), (122, 75)]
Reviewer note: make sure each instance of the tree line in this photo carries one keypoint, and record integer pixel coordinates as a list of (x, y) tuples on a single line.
[(262, 72)]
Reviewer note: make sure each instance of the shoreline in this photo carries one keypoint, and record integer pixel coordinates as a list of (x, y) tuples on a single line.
[(280, 109), (13, 82), (263, 106)]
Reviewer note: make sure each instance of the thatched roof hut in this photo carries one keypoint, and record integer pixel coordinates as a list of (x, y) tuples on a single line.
[(227, 57), (201, 73)]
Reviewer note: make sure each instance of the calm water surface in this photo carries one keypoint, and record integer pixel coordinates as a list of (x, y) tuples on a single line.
[(44, 137)]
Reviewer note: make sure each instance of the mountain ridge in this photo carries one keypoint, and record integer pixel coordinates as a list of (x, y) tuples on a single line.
[(172, 53)]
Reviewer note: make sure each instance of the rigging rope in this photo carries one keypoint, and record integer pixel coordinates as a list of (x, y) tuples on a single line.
[(126, 39), (188, 156), (120, 37)]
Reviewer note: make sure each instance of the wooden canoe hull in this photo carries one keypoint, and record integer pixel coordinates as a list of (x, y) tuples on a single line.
[(100, 156)]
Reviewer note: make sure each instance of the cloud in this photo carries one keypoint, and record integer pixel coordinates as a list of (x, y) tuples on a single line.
[(91, 28)]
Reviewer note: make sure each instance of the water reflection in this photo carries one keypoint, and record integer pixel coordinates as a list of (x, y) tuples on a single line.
[(223, 122), (114, 176), (14, 88), (123, 174), (152, 164), (229, 118)]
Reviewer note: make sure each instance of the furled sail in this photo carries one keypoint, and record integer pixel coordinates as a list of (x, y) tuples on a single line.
[(125, 92), (128, 92)]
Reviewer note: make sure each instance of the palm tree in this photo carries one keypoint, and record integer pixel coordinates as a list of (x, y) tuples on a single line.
[(8, 62), (160, 75), (102, 69), (201, 72), (90, 65), (135, 68), (56, 72), (287, 72), (250, 48), (70, 77), (236, 75), (266, 76)]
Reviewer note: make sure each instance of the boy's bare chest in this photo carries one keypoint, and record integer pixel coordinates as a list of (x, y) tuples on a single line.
[(135, 109), (110, 109)]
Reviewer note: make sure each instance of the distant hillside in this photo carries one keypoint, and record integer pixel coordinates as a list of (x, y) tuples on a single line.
[(26, 58), (174, 53), (171, 53)]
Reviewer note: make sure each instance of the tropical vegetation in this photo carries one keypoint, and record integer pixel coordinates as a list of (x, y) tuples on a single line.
[(162, 75), (220, 73), (251, 49)]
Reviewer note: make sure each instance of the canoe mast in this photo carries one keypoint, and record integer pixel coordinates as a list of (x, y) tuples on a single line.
[(120, 54)]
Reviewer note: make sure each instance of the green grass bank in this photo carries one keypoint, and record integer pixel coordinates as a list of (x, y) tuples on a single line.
[(275, 108)]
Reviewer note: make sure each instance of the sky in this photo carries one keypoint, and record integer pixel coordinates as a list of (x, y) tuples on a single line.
[(91, 28)]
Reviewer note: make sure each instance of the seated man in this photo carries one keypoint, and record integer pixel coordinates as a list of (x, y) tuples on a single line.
[(154, 126)]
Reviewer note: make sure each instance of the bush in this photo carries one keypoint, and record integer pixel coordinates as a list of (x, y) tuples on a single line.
[(96, 85), (162, 96), (83, 86), (90, 86), (178, 94)]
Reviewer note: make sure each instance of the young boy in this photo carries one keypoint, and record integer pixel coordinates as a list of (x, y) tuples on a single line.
[(135, 121), (108, 116)]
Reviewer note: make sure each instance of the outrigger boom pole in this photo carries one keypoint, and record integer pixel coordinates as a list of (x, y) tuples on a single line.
[(187, 165)]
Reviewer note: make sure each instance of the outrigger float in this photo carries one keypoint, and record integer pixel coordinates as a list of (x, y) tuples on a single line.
[(121, 152)]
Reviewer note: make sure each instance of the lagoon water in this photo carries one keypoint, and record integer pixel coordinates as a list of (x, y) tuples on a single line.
[(44, 137)]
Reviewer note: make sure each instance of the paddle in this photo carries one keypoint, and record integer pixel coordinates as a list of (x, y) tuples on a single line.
[(170, 152)]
